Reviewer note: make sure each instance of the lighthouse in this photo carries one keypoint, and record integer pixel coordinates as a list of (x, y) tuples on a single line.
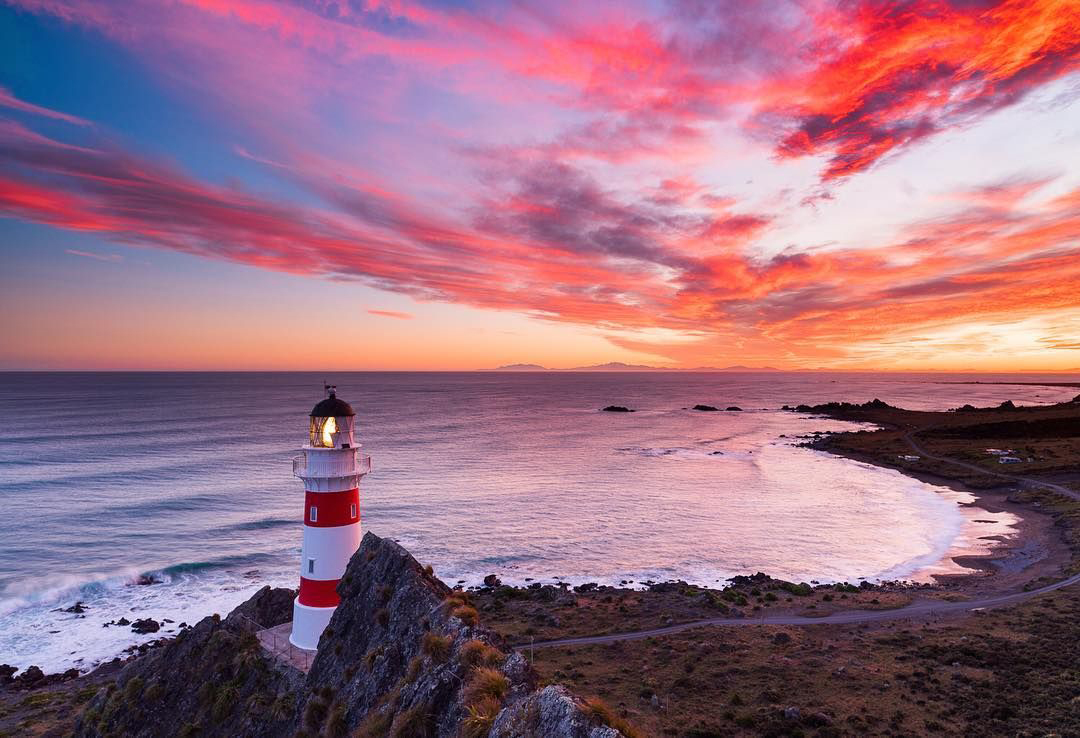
[(331, 466)]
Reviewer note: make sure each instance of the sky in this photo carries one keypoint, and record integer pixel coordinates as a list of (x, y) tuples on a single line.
[(386, 184)]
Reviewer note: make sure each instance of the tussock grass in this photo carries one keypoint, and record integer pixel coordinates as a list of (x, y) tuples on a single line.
[(484, 683), (437, 646), (478, 653), (481, 717), (601, 712), (466, 614)]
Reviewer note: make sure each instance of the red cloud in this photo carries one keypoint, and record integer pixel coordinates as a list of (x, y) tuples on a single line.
[(893, 73), (392, 314)]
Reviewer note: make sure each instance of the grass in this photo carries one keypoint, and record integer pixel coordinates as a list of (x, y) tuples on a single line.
[(480, 717), (479, 653), (601, 712), (437, 646), (485, 683), (466, 614)]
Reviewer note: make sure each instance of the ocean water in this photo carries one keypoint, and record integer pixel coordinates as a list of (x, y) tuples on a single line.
[(187, 476)]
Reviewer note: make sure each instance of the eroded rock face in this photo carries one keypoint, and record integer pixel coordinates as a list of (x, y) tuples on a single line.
[(402, 656), (552, 711), (211, 680)]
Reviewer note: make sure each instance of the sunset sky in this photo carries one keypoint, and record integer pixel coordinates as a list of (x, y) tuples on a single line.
[(320, 184)]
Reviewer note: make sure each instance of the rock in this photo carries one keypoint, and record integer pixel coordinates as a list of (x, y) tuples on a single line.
[(552, 711), (1007, 405), (734, 409), (617, 409), (146, 579), (492, 581), (7, 671), (402, 656), (586, 587), (77, 608), (792, 713), (705, 408), (123, 621), (30, 676), (265, 609), (145, 625)]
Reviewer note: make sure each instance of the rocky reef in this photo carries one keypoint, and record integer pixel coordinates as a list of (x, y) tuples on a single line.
[(403, 655)]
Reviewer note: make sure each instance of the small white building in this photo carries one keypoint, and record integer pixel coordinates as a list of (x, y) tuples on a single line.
[(1009, 460)]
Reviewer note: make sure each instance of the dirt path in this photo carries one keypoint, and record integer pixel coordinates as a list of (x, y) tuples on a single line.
[(916, 610)]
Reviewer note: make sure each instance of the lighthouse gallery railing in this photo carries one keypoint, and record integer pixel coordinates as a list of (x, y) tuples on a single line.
[(331, 467)]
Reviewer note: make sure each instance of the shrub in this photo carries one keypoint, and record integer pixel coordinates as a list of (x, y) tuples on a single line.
[(478, 653), (336, 725), (485, 682), (466, 614), (133, 689), (414, 669), (375, 725), (481, 717), (600, 712), (413, 723), (437, 646), (315, 713), (799, 590)]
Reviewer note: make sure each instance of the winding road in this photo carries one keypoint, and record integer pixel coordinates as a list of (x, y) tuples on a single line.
[(909, 437), (848, 617)]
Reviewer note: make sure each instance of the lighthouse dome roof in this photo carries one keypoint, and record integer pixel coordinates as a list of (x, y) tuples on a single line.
[(332, 407)]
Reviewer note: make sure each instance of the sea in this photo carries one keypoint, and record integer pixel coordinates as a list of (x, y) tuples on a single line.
[(185, 480)]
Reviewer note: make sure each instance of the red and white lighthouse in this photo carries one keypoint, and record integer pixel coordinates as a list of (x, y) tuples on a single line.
[(331, 466)]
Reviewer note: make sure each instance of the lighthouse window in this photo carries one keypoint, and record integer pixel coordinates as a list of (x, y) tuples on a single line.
[(311, 566), (314, 513), (352, 510)]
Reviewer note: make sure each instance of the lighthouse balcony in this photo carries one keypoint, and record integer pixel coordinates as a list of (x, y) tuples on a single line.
[(308, 465)]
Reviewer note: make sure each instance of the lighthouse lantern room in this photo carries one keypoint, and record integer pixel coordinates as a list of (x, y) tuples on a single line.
[(331, 466)]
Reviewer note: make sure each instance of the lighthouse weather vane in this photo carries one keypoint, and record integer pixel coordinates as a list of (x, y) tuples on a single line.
[(331, 466)]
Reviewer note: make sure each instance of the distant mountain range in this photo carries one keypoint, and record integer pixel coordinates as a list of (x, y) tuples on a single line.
[(618, 366)]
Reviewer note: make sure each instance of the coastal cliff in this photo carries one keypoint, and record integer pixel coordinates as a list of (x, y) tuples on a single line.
[(403, 655)]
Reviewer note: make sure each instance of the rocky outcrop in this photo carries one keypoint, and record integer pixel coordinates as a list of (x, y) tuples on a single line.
[(211, 680), (552, 711), (403, 656), (705, 408)]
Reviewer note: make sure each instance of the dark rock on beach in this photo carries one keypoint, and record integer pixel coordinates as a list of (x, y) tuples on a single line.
[(492, 581), (705, 408), (616, 409)]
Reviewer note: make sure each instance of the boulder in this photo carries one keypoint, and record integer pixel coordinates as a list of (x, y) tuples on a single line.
[(265, 609), (705, 408), (30, 676), (553, 711), (617, 409), (492, 581), (145, 625), (734, 409)]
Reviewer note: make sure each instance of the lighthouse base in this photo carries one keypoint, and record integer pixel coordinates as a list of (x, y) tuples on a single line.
[(308, 623)]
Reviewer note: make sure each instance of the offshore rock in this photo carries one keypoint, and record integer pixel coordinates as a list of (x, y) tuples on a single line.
[(705, 408), (617, 409)]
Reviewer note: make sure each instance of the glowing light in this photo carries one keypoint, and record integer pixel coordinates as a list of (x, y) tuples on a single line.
[(330, 426)]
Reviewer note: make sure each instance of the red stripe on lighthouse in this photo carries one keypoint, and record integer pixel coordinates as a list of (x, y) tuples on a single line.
[(332, 508), (319, 593)]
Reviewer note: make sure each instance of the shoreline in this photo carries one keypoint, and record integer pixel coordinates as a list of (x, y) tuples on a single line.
[(1036, 549)]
